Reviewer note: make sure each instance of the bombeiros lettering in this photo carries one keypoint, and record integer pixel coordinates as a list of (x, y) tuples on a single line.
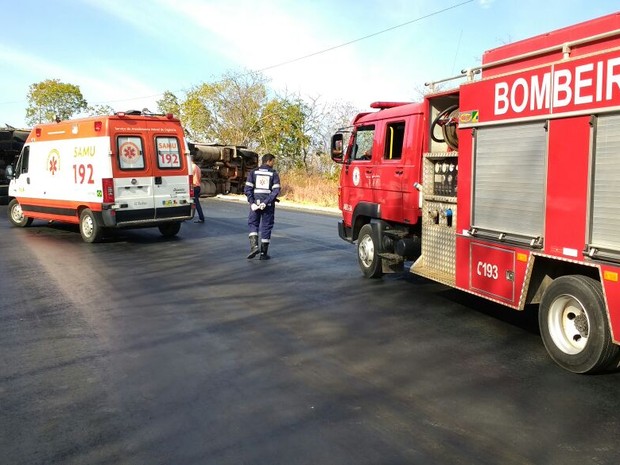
[(558, 88)]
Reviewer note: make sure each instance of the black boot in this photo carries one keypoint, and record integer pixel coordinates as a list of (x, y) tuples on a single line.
[(253, 247), (264, 246)]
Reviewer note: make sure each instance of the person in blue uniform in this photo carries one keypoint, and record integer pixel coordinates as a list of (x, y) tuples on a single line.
[(261, 189)]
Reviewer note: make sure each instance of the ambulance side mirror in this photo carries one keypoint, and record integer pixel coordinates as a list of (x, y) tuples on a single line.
[(10, 172), (337, 151)]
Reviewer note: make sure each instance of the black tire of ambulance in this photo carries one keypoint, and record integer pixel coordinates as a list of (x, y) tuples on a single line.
[(169, 229), (573, 325), (368, 252), (90, 229), (16, 215)]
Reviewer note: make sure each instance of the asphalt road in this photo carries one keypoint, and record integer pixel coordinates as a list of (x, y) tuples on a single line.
[(147, 351)]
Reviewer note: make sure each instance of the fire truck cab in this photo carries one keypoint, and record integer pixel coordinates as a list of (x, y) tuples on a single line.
[(129, 170), (504, 187)]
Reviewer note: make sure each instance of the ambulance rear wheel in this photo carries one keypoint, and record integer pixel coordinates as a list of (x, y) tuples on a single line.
[(169, 229), (16, 215), (573, 325), (368, 253), (89, 227)]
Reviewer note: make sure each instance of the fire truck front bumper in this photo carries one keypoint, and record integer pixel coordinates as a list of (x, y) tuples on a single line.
[(345, 232)]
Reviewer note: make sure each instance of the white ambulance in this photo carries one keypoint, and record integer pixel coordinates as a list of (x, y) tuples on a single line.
[(129, 170)]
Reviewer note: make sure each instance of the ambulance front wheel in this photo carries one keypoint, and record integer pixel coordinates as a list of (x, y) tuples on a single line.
[(90, 229), (573, 325), (16, 215), (170, 229), (368, 253)]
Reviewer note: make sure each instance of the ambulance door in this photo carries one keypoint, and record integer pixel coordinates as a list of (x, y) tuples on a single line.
[(21, 185), (357, 172), (171, 177), (389, 172), (133, 180)]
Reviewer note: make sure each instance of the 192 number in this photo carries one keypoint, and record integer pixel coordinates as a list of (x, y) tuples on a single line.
[(488, 270), (171, 159), (83, 174)]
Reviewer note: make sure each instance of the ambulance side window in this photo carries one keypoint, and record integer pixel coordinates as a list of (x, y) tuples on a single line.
[(394, 137), (22, 162), (130, 154), (168, 153), (362, 148)]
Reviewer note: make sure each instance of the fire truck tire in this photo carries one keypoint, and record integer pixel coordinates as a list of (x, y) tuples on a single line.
[(368, 252), (573, 325), (90, 229), (170, 229), (16, 215)]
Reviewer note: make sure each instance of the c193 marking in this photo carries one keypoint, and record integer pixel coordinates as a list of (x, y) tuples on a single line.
[(488, 270)]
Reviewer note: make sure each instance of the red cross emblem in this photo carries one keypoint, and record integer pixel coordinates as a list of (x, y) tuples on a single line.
[(129, 151), (53, 162), (53, 166)]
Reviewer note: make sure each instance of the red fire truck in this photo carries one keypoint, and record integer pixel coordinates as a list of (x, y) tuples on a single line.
[(507, 187)]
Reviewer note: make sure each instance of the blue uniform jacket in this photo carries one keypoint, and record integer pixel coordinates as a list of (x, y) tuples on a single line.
[(263, 184)]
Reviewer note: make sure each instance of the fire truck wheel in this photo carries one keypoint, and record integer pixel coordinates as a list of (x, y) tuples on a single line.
[(89, 227), (368, 253), (573, 325), (169, 229), (16, 215)]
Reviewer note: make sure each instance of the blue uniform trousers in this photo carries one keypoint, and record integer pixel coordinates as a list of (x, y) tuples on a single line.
[(261, 221)]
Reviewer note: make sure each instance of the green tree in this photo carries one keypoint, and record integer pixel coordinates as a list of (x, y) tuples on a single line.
[(239, 109), (169, 103), (195, 115), (283, 131), (226, 112), (327, 120), (301, 129), (52, 99), (97, 110)]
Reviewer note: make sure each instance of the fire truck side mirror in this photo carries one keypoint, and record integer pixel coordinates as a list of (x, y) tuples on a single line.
[(10, 173), (337, 152)]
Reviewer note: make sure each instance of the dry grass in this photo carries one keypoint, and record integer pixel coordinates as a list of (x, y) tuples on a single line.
[(312, 189)]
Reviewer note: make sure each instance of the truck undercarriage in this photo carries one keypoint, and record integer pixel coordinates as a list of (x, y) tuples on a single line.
[(11, 143)]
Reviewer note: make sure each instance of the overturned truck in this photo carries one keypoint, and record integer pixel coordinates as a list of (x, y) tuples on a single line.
[(11, 142), (224, 168)]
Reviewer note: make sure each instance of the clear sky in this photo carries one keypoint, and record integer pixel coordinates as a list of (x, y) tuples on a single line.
[(126, 53)]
